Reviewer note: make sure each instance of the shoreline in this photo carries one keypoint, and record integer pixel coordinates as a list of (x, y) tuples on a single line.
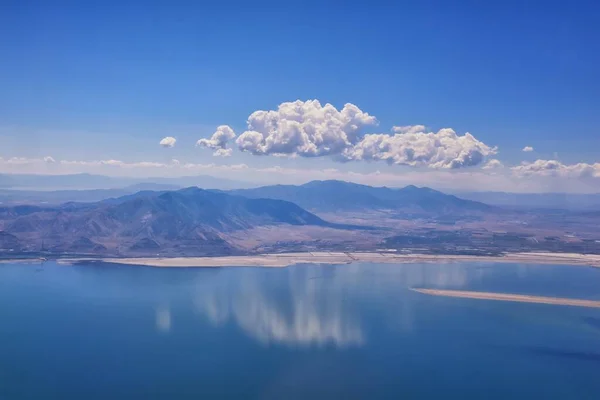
[(335, 258), (32, 260), (516, 298)]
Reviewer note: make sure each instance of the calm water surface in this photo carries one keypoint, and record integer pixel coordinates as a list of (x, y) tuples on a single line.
[(352, 331)]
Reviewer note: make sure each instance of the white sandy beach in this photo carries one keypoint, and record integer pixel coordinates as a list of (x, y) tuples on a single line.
[(287, 259)]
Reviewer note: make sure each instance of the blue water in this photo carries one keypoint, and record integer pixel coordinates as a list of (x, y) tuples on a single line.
[(348, 332)]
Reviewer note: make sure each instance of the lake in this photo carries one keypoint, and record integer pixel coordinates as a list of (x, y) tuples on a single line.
[(355, 331)]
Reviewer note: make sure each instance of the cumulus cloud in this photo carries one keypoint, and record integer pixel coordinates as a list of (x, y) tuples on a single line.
[(304, 128), (223, 152), (493, 164), (309, 129), (219, 140), (444, 149), (527, 149), (168, 141), (409, 129), (49, 160), (556, 168)]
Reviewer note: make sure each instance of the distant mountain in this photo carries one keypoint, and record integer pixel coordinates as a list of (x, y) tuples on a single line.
[(39, 189), (335, 195), (190, 221), (203, 181), (566, 201), (31, 182), (8, 196), (45, 182)]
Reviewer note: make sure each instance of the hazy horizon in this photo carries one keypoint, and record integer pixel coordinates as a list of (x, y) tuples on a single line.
[(139, 90), (121, 181)]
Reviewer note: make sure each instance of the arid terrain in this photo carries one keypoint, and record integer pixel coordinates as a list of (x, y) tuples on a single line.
[(330, 216)]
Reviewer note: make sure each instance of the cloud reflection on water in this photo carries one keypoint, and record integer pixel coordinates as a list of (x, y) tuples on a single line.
[(163, 319), (296, 312), (311, 305)]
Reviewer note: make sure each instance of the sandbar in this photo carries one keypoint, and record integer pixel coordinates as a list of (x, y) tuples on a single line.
[(519, 298)]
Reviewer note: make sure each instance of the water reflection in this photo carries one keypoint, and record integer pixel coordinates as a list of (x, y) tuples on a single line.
[(141, 327), (312, 305), (163, 319), (295, 312)]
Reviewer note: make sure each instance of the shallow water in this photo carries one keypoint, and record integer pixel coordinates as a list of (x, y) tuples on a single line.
[(351, 331)]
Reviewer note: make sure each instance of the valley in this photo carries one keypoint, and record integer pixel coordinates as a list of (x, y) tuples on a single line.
[(331, 216)]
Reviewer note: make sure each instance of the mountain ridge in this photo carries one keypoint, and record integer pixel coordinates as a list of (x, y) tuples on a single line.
[(193, 221), (334, 195), (186, 221)]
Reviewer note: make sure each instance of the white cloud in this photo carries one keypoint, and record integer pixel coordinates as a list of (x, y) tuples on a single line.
[(409, 129), (218, 141), (168, 141), (493, 164), (215, 167), (527, 149), (113, 163), (444, 149), (146, 164), (20, 160), (141, 165), (542, 175), (557, 169), (305, 128), (223, 152), (309, 129), (49, 160)]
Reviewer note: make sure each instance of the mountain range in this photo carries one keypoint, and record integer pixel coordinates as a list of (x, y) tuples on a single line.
[(33, 182), (183, 222), (56, 189), (12, 196), (332, 195), (194, 221)]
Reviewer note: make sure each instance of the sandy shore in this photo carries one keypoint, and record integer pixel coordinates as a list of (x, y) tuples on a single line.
[(283, 260), (511, 297), (22, 261)]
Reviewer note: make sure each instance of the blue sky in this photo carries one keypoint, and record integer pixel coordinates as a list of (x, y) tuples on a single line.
[(84, 81)]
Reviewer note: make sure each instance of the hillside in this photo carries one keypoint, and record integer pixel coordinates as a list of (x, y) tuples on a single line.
[(345, 196), (187, 221)]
